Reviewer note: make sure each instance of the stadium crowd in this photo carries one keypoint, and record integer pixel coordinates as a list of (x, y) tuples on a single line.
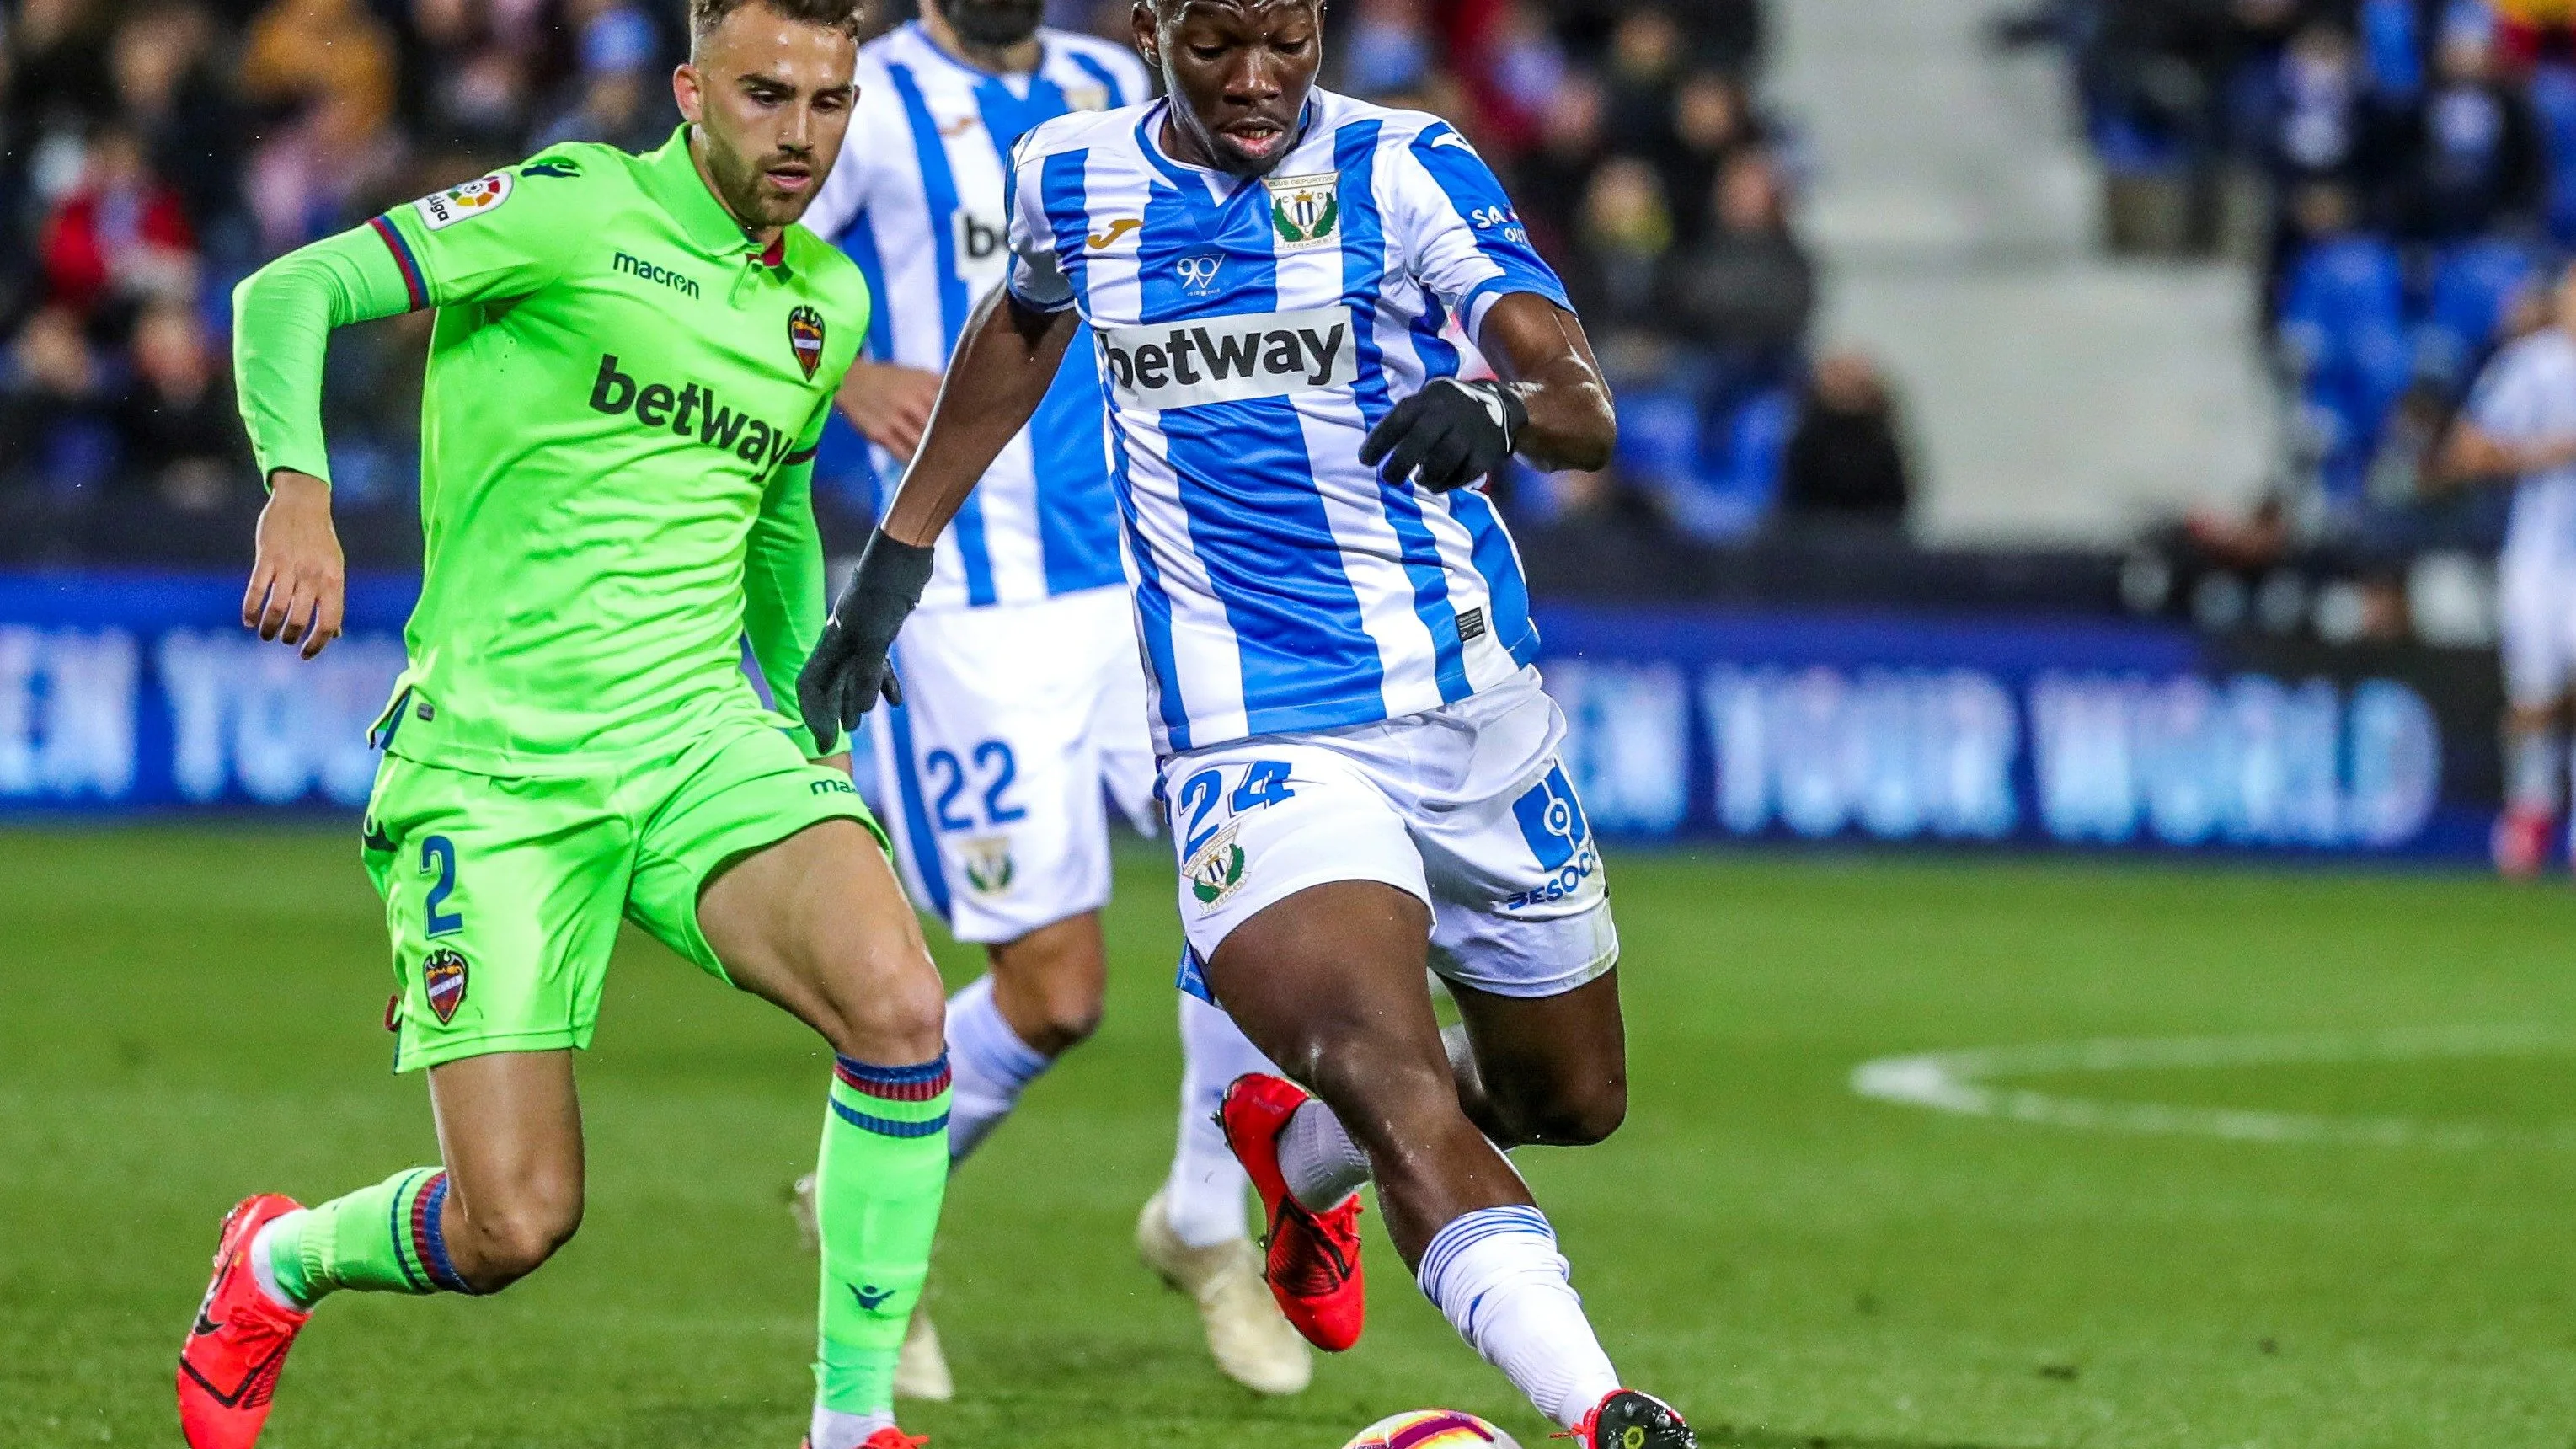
[(2412, 165), (153, 152)]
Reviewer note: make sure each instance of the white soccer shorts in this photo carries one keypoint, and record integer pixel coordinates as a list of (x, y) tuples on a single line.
[(1466, 807), (1020, 723), (2536, 617)]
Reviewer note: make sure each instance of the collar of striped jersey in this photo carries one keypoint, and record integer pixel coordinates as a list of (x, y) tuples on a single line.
[(671, 178)]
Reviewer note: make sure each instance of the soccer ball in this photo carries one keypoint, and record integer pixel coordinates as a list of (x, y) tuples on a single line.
[(1431, 1429)]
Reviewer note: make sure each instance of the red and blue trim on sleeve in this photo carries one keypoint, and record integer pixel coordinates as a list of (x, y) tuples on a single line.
[(413, 282)]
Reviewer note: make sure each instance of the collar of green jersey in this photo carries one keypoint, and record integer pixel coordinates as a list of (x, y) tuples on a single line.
[(672, 178)]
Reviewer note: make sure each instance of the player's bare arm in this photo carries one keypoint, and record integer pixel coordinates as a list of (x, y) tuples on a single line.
[(298, 580), (1006, 360), (889, 404), (2471, 456)]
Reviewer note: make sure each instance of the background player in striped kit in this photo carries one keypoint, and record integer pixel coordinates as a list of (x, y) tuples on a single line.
[(1025, 691), (1360, 765)]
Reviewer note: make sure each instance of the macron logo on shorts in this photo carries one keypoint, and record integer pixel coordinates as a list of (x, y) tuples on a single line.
[(1230, 359)]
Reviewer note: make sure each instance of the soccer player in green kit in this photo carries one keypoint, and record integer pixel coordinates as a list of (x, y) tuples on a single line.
[(631, 361)]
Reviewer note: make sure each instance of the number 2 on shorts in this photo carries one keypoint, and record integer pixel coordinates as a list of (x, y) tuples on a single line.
[(438, 854)]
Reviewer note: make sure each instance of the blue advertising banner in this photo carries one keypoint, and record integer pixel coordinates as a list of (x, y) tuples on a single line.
[(143, 693)]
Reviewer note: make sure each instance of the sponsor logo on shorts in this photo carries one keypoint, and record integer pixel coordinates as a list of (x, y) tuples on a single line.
[(1559, 837), (693, 411), (988, 866), (443, 980), (442, 209), (1216, 872), (832, 787), (1229, 359)]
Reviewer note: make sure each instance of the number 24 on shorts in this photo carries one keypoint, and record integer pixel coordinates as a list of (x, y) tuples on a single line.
[(1262, 782)]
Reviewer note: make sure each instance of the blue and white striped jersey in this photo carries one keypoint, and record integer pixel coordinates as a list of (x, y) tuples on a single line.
[(918, 200), (1248, 335)]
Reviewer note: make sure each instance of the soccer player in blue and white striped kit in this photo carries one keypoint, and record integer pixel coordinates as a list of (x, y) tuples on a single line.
[(1359, 765), (1025, 695)]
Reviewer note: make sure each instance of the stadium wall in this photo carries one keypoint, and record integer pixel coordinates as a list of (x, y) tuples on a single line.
[(125, 693)]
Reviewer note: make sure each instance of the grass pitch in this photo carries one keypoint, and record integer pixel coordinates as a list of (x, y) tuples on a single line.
[(189, 1016)]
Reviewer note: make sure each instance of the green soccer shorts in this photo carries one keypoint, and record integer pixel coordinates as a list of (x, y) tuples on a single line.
[(503, 894)]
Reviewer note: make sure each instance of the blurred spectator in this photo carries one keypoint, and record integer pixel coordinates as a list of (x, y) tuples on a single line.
[(168, 94), (1390, 48), (1713, 119), (327, 67), (1747, 292), (1645, 62), (1846, 459), (621, 95), (1625, 232), (55, 436), (1554, 177), (2471, 156), (120, 232), (182, 438)]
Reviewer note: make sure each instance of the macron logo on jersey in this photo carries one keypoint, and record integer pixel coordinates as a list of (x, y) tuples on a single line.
[(1230, 359), (687, 411)]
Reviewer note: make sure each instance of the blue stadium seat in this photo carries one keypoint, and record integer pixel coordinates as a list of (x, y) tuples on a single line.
[(2345, 300), (2553, 95), (2392, 49), (2473, 284)]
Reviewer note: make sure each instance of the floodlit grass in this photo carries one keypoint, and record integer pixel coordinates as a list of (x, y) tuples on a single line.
[(187, 1016)]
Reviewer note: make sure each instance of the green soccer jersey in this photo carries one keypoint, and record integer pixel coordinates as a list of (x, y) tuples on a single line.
[(622, 403)]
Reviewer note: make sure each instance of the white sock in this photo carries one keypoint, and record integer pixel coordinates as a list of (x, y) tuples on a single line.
[(263, 1271), (1496, 1274), (2531, 765), (831, 1429), (1204, 1196), (1319, 1159), (990, 1067)]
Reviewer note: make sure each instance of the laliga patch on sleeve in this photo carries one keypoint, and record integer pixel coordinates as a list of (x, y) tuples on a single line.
[(442, 209)]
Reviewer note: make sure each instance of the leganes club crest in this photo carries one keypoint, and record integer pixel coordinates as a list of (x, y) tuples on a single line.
[(1306, 211), (442, 978), (1216, 872), (805, 334), (989, 868)]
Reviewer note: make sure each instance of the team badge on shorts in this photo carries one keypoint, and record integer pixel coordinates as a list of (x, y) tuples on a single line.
[(805, 334), (1216, 872), (1306, 211), (989, 868), (442, 979), (442, 209)]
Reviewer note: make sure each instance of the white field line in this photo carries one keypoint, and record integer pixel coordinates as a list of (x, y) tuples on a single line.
[(1966, 1082)]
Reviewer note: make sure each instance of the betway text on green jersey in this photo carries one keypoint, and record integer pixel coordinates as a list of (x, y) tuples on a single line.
[(623, 396)]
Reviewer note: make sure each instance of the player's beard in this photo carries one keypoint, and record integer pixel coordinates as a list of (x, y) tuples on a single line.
[(993, 24), (741, 181)]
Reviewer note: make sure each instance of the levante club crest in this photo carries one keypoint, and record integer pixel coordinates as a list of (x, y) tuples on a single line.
[(805, 334), (442, 977), (1306, 211)]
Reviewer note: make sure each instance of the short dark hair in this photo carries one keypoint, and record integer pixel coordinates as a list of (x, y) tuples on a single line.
[(850, 17)]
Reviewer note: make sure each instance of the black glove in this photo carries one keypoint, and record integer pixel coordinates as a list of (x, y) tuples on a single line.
[(1448, 435), (851, 665)]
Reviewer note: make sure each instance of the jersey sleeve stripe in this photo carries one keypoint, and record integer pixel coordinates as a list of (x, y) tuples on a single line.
[(1100, 73), (1364, 276), (414, 285), (939, 189), (1062, 182), (1469, 187)]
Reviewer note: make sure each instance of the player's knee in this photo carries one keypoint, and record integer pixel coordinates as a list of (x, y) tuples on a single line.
[(515, 1236), (888, 1008), (1068, 1013), (1581, 1115)]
